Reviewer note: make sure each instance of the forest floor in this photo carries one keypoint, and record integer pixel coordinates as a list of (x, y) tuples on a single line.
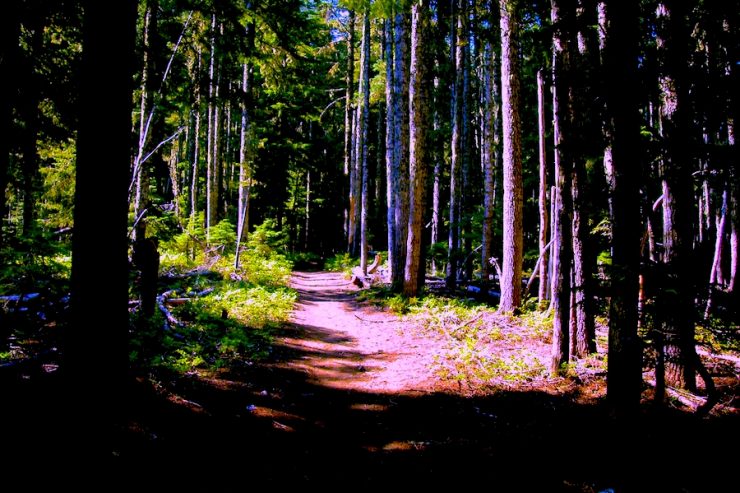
[(351, 399)]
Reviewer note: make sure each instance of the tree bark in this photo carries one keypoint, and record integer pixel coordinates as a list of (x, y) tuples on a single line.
[(466, 203), (9, 33), (355, 181), (619, 23), (734, 209), (196, 143), (453, 243), (587, 136), (715, 271), (436, 180), (364, 122), (392, 171), (679, 346), (95, 359), (401, 130), (349, 93), (174, 177), (211, 141), (419, 106), (488, 157), (142, 177), (245, 148), (511, 283), (544, 293), (562, 19), (349, 122)]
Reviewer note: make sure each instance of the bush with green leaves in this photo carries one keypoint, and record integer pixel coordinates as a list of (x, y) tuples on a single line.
[(266, 239), (341, 262)]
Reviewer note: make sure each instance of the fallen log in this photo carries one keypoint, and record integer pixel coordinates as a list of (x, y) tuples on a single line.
[(374, 266), (170, 319), (359, 278), (19, 298)]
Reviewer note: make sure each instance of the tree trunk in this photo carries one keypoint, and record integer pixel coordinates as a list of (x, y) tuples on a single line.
[(679, 346), (715, 270), (734, 206), (400, 112), (511, 282), (392, 170), (364, 122), (466, 205), (354, 183), (490, 114), (96, 360), (245, 148), (349, 93), (587, 136), (210, 192), (217, 169), (174, 178), (562, 19), (9, 33), (544, 293), (349, 122), (619, 21), (456, 146), (142, 178), (196, 143), (419, 95), (308, 210), (584, 322)]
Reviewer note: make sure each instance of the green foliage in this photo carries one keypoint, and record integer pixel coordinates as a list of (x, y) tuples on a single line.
[(439, 313), (186, 249), (341, 262), (232, 324), (33, 263), (163, 226), (482, 346), (719, 335), (304, 260), (222, 236), (470, 365), (539, 323), (438, 253), (266, 239), (57, 199)]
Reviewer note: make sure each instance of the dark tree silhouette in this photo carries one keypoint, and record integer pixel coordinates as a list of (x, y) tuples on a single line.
[(96, 352)]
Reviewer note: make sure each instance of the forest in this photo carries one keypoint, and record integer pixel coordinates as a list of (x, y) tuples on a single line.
[(414, 239)]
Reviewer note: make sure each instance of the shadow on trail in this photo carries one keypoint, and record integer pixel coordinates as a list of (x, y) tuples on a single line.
[(271, 424), (277, 424)]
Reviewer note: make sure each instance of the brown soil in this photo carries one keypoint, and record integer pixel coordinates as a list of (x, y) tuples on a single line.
[(352, 347), (350, 400)]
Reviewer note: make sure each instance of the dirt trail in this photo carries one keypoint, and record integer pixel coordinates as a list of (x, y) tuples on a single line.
[(349, 400), (347, 346)]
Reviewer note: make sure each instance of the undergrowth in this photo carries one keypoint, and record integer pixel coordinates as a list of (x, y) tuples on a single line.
[(481, 346), (341, 262), (229, 316)]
